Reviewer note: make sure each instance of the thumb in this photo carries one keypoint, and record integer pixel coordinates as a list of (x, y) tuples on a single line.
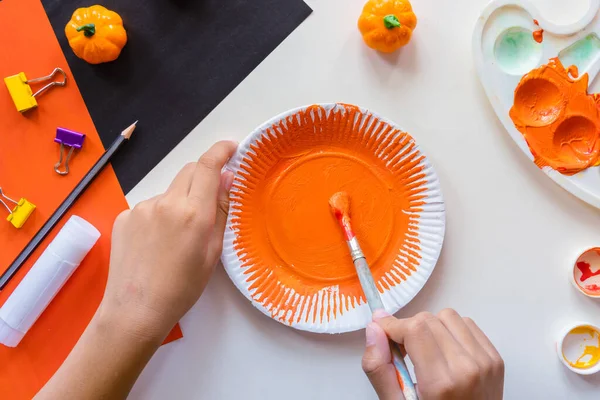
[(222, 208), (377, 364)]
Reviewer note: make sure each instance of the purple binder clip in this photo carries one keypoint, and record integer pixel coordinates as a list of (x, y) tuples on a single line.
[(67, 138)]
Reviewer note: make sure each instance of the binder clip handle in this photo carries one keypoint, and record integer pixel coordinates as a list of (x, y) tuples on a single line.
[(2, 195), (67, 138), (49, 77), (60, 160)]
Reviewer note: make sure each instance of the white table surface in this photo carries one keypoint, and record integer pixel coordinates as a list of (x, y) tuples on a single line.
[(511, 236)]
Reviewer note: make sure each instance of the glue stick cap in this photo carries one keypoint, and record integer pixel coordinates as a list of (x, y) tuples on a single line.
[(74, 240), (8, 336)]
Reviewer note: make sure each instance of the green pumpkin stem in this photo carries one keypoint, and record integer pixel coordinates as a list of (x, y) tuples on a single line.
[(391, 21), (88, 29)]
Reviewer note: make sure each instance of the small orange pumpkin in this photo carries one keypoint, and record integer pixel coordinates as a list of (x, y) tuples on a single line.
[(387, 25), (96, 34)]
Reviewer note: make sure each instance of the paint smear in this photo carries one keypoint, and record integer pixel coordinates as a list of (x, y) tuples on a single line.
[(538, 35), (573, 71), (581, 347), (292, 250), (586, 272), (516, 52), (557, 118)]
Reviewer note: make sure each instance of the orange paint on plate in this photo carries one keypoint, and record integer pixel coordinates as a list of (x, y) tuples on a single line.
[(558, 118), (292, 250)]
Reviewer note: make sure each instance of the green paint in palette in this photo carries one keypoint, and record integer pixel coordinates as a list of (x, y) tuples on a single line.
[(516, 51), (581, 53)]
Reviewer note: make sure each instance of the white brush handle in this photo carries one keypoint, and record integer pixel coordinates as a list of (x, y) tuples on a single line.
[(368, 284), (374, 300)]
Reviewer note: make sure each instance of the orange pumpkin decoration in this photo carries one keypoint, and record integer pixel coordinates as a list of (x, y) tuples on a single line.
[(96, 34), (387, 25)]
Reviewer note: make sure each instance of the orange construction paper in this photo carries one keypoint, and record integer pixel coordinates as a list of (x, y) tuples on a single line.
[(27, 156)]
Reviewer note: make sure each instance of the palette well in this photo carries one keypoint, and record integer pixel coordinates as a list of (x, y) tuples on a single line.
[(536, 75), (282, 247)]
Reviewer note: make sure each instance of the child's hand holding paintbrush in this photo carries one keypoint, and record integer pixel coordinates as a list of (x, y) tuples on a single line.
[(340, 206), (453, 358)]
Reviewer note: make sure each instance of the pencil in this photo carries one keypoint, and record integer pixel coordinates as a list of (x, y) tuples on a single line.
[(65, 206)]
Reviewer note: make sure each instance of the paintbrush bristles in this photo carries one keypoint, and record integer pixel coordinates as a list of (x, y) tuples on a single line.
[(340, 207), (340, 203)]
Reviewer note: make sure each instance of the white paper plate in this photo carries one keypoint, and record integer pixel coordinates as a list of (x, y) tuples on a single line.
[(393, 153)]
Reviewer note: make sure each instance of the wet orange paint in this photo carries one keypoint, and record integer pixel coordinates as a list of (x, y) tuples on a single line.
[(558, 118), (538, 35), (573, 71), (292, 250)]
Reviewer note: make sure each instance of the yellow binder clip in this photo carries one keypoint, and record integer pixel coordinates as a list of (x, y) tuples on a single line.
[(21, 93), (18, 215)]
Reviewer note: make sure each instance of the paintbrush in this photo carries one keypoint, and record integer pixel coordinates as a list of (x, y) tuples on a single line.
[(65, 206), (340, 206)]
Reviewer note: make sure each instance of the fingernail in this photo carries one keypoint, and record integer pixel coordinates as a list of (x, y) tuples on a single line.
[(371, 334), (380, 313), (228, 180)]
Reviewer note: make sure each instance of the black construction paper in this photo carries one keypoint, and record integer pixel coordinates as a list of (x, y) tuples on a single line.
[(182, 58)]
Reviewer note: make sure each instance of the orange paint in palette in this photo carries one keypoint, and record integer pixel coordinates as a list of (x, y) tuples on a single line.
[(558, 118), (574, 72), (292, 252), (538, 35)]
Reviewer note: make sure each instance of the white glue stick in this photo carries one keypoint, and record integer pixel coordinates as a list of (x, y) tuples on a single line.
[(43, 281)]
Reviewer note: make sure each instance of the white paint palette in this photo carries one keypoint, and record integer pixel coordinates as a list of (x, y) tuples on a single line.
[(504, 50)]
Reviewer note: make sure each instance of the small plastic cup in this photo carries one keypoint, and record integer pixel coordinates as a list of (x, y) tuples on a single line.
[(578, 348), (585, 274)]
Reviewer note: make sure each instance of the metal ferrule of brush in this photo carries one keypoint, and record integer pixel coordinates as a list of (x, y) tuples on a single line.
[(355, 250)]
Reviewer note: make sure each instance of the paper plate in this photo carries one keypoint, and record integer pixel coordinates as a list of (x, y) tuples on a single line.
[(282, 247)]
